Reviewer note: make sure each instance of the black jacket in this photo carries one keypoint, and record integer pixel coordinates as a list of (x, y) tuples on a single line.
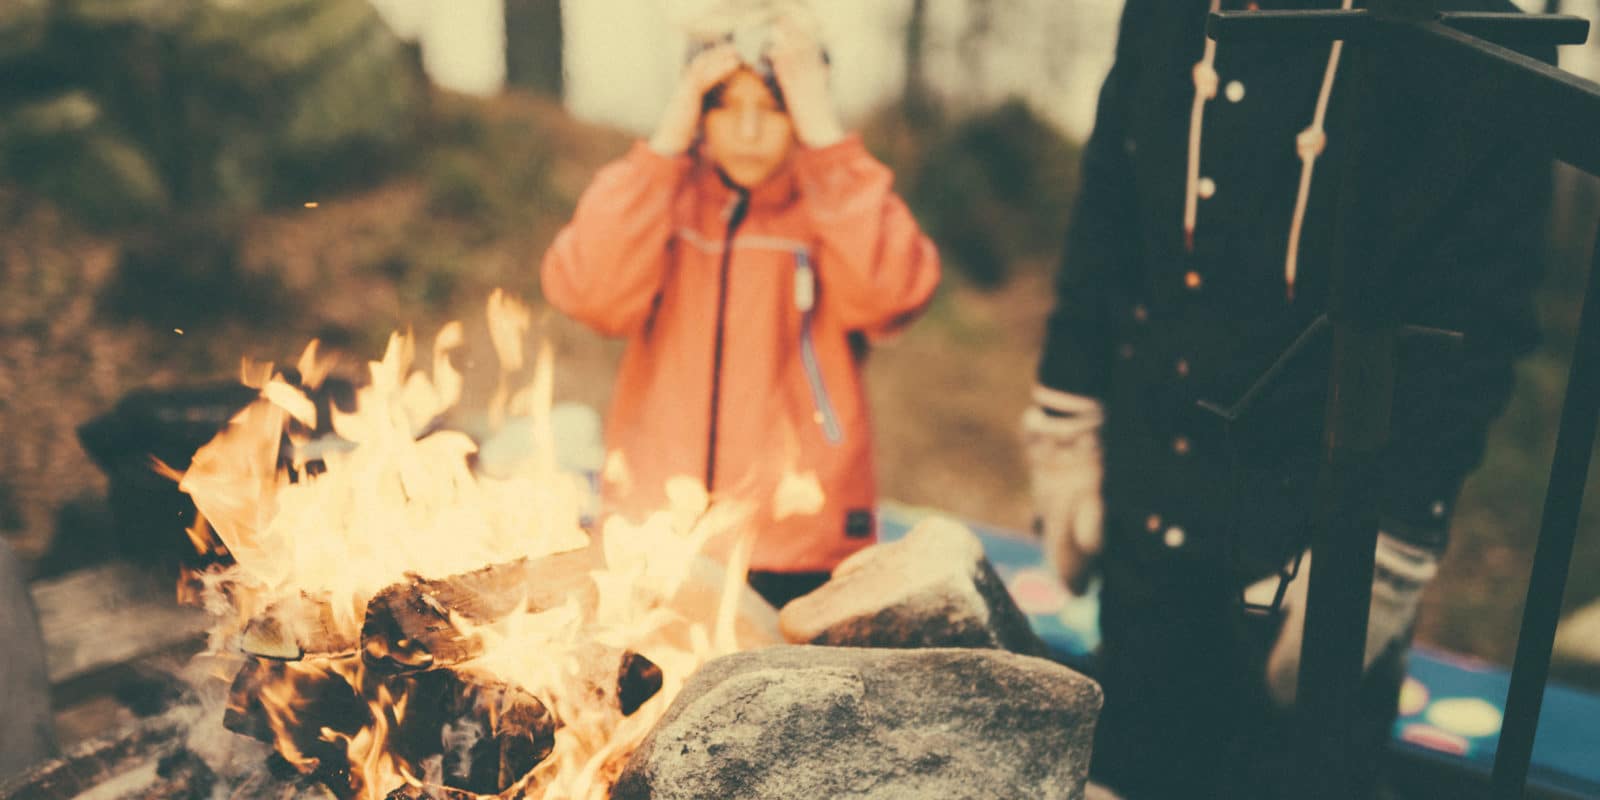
[(1151, 328)]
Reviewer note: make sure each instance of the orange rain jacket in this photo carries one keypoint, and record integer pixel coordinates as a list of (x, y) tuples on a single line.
[(747, 316)]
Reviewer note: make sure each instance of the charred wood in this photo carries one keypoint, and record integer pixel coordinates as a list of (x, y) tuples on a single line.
[(638, 680), (487, 735), (305, 709), (411, 625), (289, 632)]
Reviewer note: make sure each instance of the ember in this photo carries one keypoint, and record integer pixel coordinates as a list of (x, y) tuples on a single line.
[(400, 625)]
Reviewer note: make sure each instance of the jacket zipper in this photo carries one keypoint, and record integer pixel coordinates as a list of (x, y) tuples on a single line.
[(805, 299), (736, 214)]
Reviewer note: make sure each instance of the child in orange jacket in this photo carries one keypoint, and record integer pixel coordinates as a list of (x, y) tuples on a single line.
[(747, 252)]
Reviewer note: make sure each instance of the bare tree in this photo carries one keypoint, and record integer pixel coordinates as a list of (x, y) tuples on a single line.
[(917, 97)]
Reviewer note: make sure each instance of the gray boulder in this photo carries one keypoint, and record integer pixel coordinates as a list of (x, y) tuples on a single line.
[(933, 588), (808, 723)]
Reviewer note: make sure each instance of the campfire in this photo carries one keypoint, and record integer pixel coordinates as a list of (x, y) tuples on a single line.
[(413, 600), (398, 618)]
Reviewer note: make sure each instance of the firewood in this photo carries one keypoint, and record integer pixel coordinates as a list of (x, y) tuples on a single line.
[(292, 631), (244, 714), (638, 680), (428, 793), (322, 701), (408, 625), (488, 735)]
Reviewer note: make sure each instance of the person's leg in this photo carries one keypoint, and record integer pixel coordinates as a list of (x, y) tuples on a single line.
[(780, 587), (27, 733), (1175, 677)]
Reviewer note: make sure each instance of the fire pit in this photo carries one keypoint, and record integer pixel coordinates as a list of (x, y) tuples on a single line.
[(395, 620)]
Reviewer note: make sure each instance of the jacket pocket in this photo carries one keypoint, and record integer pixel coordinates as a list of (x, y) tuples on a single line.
[(805, 301)]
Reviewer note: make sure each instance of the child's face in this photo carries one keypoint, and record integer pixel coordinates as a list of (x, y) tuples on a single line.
[(747, 133)]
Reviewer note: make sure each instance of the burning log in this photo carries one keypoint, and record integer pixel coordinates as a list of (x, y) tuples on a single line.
[(296, 631), (410, 625), (638, 680), (306, 709), (485, 735), (244, 713), (428, 793)]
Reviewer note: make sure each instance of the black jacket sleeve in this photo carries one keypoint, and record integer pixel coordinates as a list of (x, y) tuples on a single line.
[(1102, 237)]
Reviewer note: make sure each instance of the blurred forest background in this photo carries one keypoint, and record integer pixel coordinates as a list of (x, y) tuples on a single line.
[(184, 183)]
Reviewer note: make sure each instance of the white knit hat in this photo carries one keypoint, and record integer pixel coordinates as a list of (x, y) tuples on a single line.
[(747, 24)]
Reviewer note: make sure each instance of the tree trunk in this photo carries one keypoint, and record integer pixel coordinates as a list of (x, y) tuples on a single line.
[(917, 100), (533, 45)]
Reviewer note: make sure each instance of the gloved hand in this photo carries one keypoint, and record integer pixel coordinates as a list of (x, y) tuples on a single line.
[(1061, 437), (1401, 571)]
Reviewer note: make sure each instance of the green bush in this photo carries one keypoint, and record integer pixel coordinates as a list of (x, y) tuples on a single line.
[(995, 191)]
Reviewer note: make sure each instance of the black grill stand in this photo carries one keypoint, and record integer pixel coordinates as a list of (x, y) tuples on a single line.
[(1392, 47)]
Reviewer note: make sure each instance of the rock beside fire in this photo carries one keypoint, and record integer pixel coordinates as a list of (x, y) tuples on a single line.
[(811, 722), (934, 588)]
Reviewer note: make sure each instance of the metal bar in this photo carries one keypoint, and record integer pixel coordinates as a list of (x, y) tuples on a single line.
[(1343, 543), (1563, 502), (1523, 96), (1354, 26), (1296, 27), (1323, 26), (1404, 47), (1360, 395), (1270, 378), (1514, 29)]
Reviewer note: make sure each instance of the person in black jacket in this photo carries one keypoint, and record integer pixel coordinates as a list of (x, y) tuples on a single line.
[(1199, 250)]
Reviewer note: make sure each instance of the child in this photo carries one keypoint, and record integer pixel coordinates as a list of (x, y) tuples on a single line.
[(747, 252)]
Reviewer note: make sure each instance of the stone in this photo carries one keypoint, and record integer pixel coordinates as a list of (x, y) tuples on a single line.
[(933, 588), (805, 722)]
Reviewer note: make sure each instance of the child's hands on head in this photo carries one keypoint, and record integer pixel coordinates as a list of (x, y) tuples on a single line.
[(681, 122), (763, 86), (802, 72)]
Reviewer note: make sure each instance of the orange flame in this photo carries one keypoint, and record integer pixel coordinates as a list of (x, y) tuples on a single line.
[(394, 497)]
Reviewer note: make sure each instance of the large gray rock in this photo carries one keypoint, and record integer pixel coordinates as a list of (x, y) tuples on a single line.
[(809, 723), (933, 588)]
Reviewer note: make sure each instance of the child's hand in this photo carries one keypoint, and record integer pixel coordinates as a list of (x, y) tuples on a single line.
[(803, 75), (682, 119)]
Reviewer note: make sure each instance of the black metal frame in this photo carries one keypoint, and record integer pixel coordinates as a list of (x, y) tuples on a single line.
[(1462, 57)]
